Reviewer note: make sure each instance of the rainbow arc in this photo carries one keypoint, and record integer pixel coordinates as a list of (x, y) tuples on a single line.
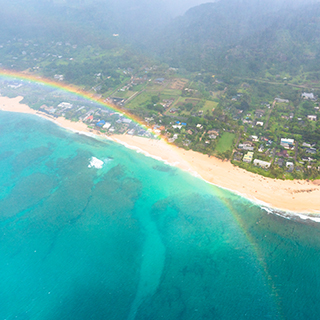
[(13, 75)]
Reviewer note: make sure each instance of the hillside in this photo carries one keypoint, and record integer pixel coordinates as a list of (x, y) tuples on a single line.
[(243, 37)]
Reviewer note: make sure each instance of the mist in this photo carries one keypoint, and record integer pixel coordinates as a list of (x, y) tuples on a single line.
[(179, 7)]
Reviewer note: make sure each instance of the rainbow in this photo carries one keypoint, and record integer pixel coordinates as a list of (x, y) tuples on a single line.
[(14, 75), (254, 247), (219, 192)]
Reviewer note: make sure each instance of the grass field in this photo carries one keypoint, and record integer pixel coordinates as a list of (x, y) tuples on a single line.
[(123, 94), (209, 105), (140, 100), (225, 142)]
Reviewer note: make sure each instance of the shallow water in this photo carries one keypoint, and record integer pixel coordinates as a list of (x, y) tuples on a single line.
[(138, 239)]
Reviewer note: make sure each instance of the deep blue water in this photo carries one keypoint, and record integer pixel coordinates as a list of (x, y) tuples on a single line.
[(138, 239)]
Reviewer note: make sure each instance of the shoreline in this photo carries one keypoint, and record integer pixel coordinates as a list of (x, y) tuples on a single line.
[(295, 196)]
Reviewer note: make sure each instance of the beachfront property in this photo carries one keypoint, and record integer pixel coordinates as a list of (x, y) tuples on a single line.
[(279, 162), (173, 139), (50, 110), (106, 126), (100, 123), (248, 157), (65, 105), (287, 143), (262, 164), (290, 166), (245, 146), (237, 156)]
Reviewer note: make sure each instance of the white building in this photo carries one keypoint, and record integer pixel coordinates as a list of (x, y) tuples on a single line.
[(312, 117), (287, 143), (309, 96), (254, 138), (65, 105), (289, 164), (106, 126), (281, 100), (262, 164)]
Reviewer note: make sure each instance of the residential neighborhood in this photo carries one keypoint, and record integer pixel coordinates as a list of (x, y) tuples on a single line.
[(273, 132)]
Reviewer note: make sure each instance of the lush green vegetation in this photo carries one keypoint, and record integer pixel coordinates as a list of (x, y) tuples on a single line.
[(206, 81), (225, 142)]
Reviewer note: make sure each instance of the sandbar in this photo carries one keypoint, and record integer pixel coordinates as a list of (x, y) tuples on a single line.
[(300, 196)]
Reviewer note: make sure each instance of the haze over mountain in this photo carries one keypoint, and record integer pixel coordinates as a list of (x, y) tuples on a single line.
[(239, 36), (242, 36), (179, 7)]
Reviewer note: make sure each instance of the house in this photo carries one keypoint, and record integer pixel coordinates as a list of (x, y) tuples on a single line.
[(106, 126), (237, 156), (59, 77), (269, 142), (259, 113), (280, 162), (311, 150), (281, 100), (100, 123), (248, 157), (306, 145), (254, 138), (175, 137), (308, 96), (262, 164), (312, 117), (245, 146), (90, 118), (65, 105), (215, 132), (283, 153), (259, 123), (289, 164), (287, 143), (159, 80)]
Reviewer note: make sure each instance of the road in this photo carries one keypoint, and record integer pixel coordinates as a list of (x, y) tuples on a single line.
[(267, 122), (281, 83)]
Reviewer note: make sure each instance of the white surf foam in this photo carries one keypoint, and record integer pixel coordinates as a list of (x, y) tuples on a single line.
[(95, 163)]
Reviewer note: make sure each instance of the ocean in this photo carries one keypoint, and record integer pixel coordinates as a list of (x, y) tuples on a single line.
[(93, 230)]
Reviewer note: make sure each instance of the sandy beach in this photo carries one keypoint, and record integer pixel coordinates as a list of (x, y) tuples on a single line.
[(298, 195)]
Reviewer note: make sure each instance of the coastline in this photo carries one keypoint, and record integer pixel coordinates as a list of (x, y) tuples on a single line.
[(299, 196)]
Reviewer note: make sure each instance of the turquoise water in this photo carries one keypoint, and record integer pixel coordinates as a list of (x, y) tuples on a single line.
[(138, 239)]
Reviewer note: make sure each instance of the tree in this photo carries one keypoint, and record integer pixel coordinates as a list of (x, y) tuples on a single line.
[(155, 99)]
